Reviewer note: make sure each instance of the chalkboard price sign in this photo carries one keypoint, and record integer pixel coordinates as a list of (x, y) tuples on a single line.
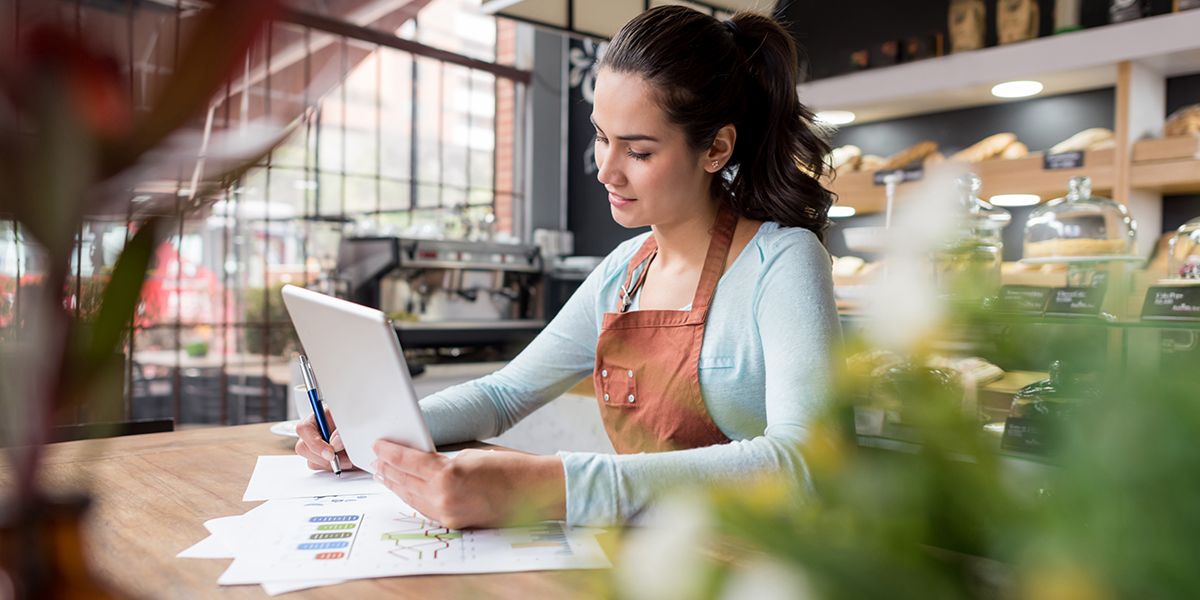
[(1022, 300), (1075, 302), (1029, 435), (1064, 160), (1172, 303)]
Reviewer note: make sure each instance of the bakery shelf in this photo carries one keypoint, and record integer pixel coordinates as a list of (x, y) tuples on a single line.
[(1000, 176), (1064, 63), (1169, 165)]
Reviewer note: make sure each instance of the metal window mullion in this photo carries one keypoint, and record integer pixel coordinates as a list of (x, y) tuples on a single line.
[(345, 80), (413, 138), (441, 136), (178, 391), (378, 131), (309, 175), (223, 380), (266, 328)]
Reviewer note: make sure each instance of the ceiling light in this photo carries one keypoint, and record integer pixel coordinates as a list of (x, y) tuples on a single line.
[(841, 211), (1015, 199), (1016, 89), (835, 117)]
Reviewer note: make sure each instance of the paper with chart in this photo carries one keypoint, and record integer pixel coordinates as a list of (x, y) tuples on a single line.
[(350, 537)]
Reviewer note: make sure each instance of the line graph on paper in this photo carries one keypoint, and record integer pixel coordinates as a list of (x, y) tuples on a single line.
[(418, 538)]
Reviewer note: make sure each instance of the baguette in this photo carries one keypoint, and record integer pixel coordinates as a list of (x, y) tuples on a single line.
[(870, 162), (985, 148), (1084, 140), (911, 154)]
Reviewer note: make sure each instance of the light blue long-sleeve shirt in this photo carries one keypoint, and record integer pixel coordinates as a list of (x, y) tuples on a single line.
[(766, 371)]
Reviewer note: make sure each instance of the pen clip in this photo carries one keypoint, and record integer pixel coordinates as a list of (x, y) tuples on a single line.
[(310, 380)]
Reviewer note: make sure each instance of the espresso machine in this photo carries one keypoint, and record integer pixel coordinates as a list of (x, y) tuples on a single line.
[(449, 300)]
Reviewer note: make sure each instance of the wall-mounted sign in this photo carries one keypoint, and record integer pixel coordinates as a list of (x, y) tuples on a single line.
[(1065, 160), (913, 174)]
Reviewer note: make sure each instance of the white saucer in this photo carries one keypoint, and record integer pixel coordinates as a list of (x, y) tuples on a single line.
[(286, 428)]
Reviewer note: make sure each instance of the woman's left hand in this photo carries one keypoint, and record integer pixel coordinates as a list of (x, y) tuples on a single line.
[(475, 488)]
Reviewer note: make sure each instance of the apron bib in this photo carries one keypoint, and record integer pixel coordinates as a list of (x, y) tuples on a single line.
[(647, 375)]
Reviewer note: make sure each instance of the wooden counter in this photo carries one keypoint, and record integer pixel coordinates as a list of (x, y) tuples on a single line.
[(153, 493)]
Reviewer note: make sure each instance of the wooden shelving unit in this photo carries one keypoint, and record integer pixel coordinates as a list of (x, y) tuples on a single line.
[(1136, 57), (1014, 176), (1168, 166)]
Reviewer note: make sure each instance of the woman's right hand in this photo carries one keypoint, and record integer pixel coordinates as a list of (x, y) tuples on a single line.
[(313, 448)]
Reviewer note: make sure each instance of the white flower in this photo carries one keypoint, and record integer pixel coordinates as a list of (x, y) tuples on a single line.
[(662, 561)]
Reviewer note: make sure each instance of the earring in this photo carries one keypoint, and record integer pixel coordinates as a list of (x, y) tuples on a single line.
[(716, 164)]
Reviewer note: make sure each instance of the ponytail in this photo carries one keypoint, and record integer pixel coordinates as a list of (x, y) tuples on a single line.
[(711, 73)]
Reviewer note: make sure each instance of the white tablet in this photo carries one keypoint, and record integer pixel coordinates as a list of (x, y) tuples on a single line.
[(360, 372)]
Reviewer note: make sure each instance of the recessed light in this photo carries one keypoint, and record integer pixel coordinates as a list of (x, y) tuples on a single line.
[(841, 211), (1016, 89), (835, 117), (1015, 199)]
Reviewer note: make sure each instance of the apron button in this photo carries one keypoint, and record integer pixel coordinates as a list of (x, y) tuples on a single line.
[(606, 397), (604, 373), (631, 374), (631, 397)]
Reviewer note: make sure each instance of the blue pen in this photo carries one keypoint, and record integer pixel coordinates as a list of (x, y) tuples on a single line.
[(310, 384)]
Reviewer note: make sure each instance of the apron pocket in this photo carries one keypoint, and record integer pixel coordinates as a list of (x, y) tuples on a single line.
[(617, 386)]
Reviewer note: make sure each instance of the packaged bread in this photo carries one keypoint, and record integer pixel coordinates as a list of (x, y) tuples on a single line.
[(968, 24), (1015, 150), (1016, 20), (985, 148), (1183, 121), (913, 153), (870, 162), (845, 159), (1088, 139), (845, 266)]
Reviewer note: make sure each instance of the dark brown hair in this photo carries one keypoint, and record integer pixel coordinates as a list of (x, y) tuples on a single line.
[(743, 72)]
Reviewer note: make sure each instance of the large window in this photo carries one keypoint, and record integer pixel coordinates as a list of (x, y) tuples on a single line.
[(386, 139)]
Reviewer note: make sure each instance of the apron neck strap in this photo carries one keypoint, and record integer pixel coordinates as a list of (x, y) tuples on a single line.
[(714, 263)]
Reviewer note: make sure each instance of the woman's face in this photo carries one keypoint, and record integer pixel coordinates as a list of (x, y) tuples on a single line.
[(652, 175)]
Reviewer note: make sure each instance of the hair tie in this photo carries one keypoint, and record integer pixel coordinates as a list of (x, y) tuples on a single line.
[(733, 28)]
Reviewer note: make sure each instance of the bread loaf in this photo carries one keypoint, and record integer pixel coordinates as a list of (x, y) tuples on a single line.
[(933, 160), (1015, 150), (908, 155), (870, 162), (1183, 121), (846, 156), (985, 149), (1088, 139)]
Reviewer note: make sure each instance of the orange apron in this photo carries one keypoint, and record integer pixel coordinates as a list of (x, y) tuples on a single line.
[(647, 376)]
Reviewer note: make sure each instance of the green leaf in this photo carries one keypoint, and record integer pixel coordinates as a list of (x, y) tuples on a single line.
[(122, 294)]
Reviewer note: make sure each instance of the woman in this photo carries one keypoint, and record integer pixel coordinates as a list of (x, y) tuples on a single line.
[(710, 340)]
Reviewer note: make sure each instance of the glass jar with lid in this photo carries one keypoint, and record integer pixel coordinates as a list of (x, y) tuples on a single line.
[(967, 264), (1183, 265), (1080, 226)]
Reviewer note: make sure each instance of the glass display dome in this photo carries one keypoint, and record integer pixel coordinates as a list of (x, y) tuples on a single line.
[(967, 265), (1184, 263), (1080, 226)]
